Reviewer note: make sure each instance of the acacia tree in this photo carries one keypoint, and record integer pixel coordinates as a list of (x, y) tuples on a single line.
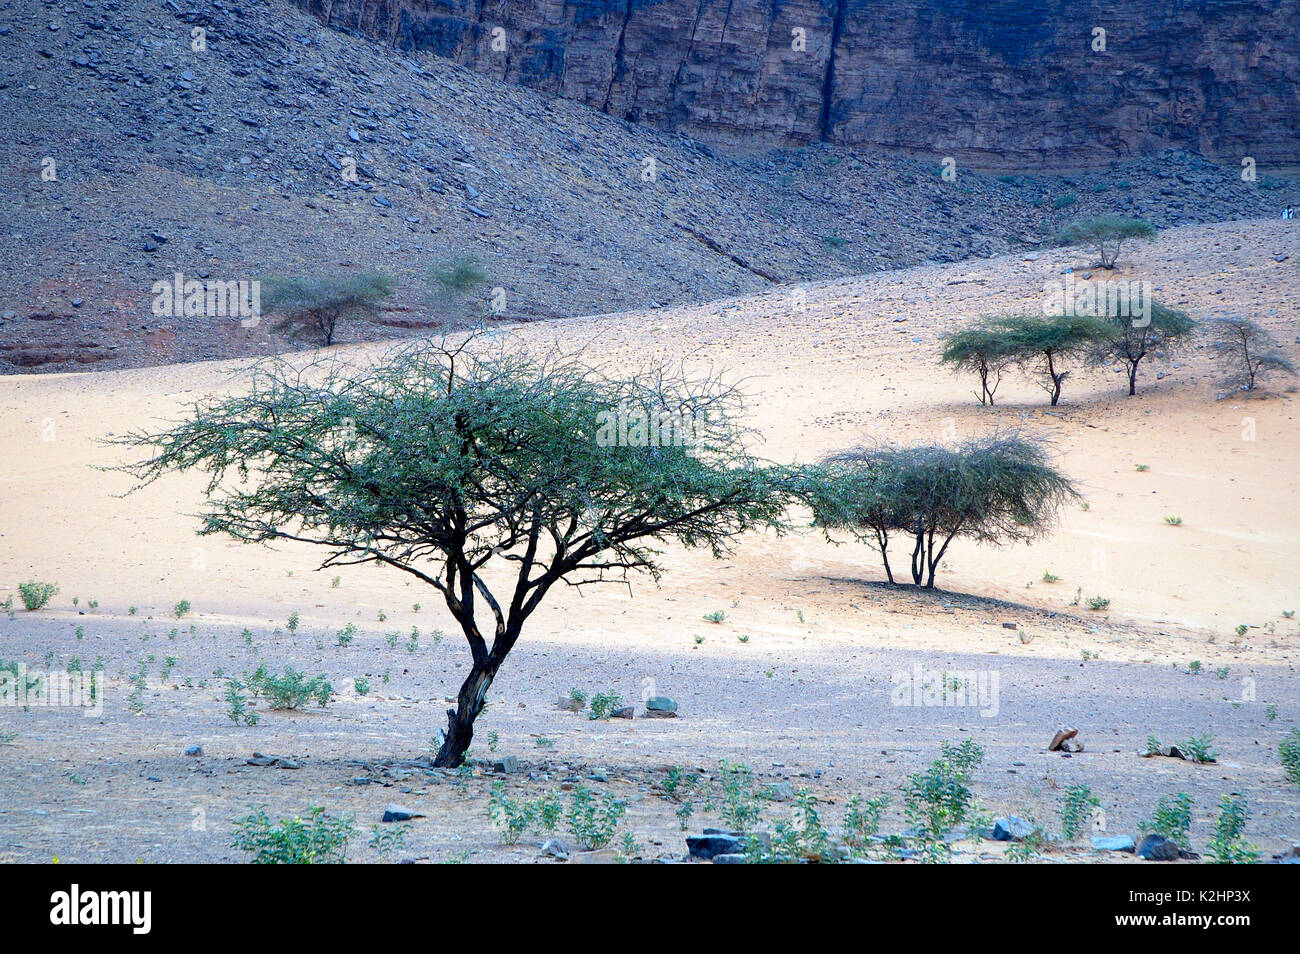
[(1040, 345), (482, 475), (1132, 339), (980, 350), (1000, 489), (1107, 234), (315, 305), (1245, 352)]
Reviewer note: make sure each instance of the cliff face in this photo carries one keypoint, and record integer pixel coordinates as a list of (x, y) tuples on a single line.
[(991, 82)]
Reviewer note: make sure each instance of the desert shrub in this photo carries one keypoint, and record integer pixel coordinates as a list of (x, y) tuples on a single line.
[(313, 306), (1106, 234), (742, 803), (604, 704), (450, 463), (1132, 339), (290, 690), (315, 840), (862, 820), (1245, 352), (35, 594), (1040, 345), (980, 350), (1077, 810), (940, 797), (1228, 847), (1000, 489), (593, 819), (1289, 750), (511, 816), (454, 282), (1172, 819)]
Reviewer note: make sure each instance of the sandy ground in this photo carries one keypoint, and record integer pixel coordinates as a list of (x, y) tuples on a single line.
[(805, 697)]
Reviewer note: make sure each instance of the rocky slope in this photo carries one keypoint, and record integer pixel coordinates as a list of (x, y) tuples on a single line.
[(129, 155), (1009, 84)]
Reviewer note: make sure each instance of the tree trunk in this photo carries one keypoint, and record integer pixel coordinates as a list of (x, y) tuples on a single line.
[(1056, 379), (918, 555), (1132, 378), (460, 721)]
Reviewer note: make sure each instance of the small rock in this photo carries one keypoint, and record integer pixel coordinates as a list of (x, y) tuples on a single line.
[(1010, 626), (1011, 828), (556, 849), (627, 712), (661, 704), (398, 813), (194, 750), (1112, 843), (506, 765), (1157, 848), (707, 846), (729, 859), (1062, 734)]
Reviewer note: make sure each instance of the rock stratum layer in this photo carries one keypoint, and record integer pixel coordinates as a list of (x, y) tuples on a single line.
[(997, 83)]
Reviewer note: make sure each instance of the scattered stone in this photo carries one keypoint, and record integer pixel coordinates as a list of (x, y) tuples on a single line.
[(569, 705), (399, 813), (1011, 828), (506, 765), (781, 791), (601, 856), (1157, 848), (556, 849), (707, 846), (729, 859), (627, 712), (660, 707), (194, 750), (274, 761)]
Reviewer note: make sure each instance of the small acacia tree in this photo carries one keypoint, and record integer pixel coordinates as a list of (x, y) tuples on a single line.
[(981, 350), (1133, 338), (1000, 489), (454, 282), (1107, 234), (1246, 352), (1040, 345), (482, 475), (314, 306)]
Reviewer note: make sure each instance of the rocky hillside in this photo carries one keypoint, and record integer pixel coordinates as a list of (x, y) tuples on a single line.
[(1006, 84), (134, 151)]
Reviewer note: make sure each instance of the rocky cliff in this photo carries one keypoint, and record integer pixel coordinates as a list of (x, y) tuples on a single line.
[(994, 83)]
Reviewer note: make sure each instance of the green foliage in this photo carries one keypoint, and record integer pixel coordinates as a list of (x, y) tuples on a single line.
[(940, 797), (1077, 810), (995, 490), (1227, 847), (1172, 819), (1199, 748), (237, 704), (387, 838), (35, 594), (593, 819), (1132, 338), (313, 306), (1040, 344), (181, 608), (316, 839), (290, 690), (1107, 234), (862, 820), (512, 817), (717, 616), (742, 805), (1289, 750), (604, 704), (982, 350), (1028, 848)]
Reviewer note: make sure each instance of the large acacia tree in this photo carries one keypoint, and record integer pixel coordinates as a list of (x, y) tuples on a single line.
[(1133, 338), (998, 490), (489, 476)]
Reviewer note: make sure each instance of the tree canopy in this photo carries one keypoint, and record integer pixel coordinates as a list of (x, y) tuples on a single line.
[(479, 473), (1132, 339), (314, 305), (1107, 234)]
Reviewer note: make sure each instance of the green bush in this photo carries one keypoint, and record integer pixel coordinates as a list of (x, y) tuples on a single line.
[(289, 691), (1107, 234), (35, 594), (317, 839), (314, 305), (982, 350), (1173, 817), (593, 820), (1289, 750)]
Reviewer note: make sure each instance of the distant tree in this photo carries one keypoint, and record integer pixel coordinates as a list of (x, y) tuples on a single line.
[(480, 474), (1040, 345), (454, 282), (314, 306), (1133, 338), (1246, 352), (1106, 234), (999, 489), (980, 350)]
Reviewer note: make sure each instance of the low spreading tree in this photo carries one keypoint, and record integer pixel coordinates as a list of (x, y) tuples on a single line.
[(997, 490), (1040, 346), (455, 281), (1246, 352), (980, 350), (1106, 234), (313, 306), (1134, 337), (489, 476)]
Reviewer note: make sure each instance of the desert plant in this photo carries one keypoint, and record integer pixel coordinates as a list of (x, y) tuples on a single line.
[(35, 594), (604, 704), (1133, 338), (1245, 352), (593, 819), (1199, 748), (1289, 750), (1172, 819), (454, 281), (1039, 345), (441, 461), (1227, 846), (742, 804), (997, 490), (982, 351), (1077, 810), (315, 305), (316, 839), (290, 690), (940, 797), (862, 820), (386, 839), (512, 817), (1107, 234)]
